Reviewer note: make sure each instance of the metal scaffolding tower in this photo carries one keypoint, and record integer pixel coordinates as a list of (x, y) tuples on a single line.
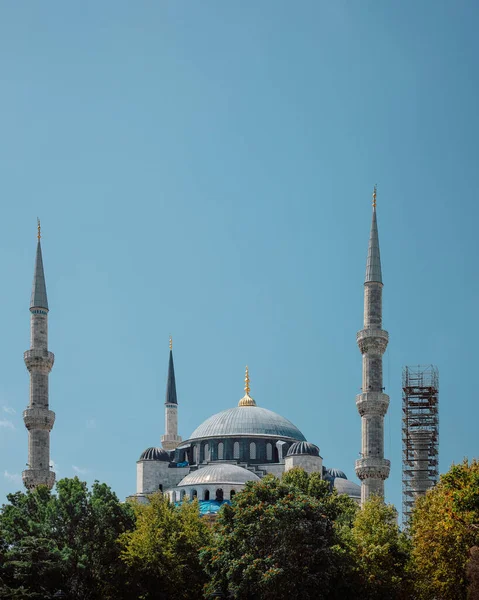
[(420, 433)]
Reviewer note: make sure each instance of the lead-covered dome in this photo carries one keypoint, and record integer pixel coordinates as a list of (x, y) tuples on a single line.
[(155, 454), (336, 473), (299, 448), (344, 486), (247, 420), (219, 473)]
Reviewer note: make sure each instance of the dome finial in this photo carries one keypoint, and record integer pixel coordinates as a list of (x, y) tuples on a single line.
[(39, 234), (246, 380), (171, 343), (246, 400), (375, 194)]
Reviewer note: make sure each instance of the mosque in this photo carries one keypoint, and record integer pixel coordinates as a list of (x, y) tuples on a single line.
[(237, 445)]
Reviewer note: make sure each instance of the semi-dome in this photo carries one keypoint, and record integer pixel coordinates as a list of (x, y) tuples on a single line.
[(336, 473), (219, 473), (303, 448), (344, 486), (155, 454), (247, 420)]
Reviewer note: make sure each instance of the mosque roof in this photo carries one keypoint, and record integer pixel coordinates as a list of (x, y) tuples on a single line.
[(303, 448), (247, 420), (219, 473), (336, 473), (344, 486), (155, 454)]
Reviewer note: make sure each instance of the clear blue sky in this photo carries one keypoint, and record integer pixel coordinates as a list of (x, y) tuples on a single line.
[(205, 169)]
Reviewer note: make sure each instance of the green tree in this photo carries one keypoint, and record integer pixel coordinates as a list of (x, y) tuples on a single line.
[(66, 541), (274, 542), (162, 551), (380, 552), (444, 529)]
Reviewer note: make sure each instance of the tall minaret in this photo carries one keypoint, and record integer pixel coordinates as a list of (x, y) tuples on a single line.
[(39, 361), (171, 439), (372, 468)]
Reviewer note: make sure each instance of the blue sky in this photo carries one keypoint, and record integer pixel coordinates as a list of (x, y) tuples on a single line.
[(205, 169)]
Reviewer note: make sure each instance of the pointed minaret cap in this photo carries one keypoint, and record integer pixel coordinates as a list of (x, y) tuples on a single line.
[(39, 289), (373, 265), (171, 382), (246, 400)]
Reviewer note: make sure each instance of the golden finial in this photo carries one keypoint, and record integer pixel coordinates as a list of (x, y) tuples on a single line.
[(246, 400), (374, 195), (39, 234), (171, 343)]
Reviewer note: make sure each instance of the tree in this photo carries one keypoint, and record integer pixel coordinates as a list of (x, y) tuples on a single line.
[(162, 551), (380, 552), (444, 529), (274, 542), (65, 541)]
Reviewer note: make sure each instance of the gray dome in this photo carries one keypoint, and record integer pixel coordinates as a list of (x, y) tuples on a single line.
[(343, 486), (336, 473), (247, 420), (155, 454), (303, 448), (219, 473)]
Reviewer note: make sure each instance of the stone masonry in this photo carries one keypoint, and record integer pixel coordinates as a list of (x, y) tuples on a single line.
[(372, 468), (38, 418)]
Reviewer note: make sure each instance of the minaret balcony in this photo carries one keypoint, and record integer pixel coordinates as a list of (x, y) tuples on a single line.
[(39, 418), (372, 341), (372, 468), (34, 477), (372, 404), (39, 359)]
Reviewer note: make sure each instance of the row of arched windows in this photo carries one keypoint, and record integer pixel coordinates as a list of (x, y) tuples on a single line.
[(236, 452), (219, 496)]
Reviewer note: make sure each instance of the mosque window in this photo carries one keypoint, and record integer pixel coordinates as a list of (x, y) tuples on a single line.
[(232, 493), (207, 495), (252, 451), (236, 450), (207, 452), (269, 452), (219, 495), (220, 451), (194, 494)]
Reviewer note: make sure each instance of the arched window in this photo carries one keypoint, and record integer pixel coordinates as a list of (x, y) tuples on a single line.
[(252, 451), (219, 495), (220, 450), (232, 493), (207, 453), (269, 452), (183, 494), (194, 494), (207, 495), (236, 450)]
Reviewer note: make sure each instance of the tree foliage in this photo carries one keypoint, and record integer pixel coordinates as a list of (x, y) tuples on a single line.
[(162, 552), (444, 529), (273, 542), (64, 541)]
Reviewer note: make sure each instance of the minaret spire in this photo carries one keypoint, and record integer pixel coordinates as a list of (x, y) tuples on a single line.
[(372, 468), (171, 439), (38, 418)]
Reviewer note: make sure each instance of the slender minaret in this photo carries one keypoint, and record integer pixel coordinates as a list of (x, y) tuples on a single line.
[(372, 468), (39, 361), (171, 439)]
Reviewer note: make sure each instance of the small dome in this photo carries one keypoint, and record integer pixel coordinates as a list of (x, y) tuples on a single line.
[(303, 448), (221, 473), (155, 454), (336, 474), (343, 486)]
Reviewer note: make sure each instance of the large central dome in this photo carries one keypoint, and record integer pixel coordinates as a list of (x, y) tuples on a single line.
[(247, 420)]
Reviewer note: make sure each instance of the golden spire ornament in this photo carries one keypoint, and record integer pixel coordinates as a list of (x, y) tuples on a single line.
[(246, 400), (171, 343), (374, 195), (39, 234)]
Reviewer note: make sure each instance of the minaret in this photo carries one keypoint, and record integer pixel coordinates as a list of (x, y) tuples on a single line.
[(372, 468), (39, 361), (171, 439)]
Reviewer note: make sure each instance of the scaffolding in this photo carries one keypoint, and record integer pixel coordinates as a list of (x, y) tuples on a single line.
[(420, 433)]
